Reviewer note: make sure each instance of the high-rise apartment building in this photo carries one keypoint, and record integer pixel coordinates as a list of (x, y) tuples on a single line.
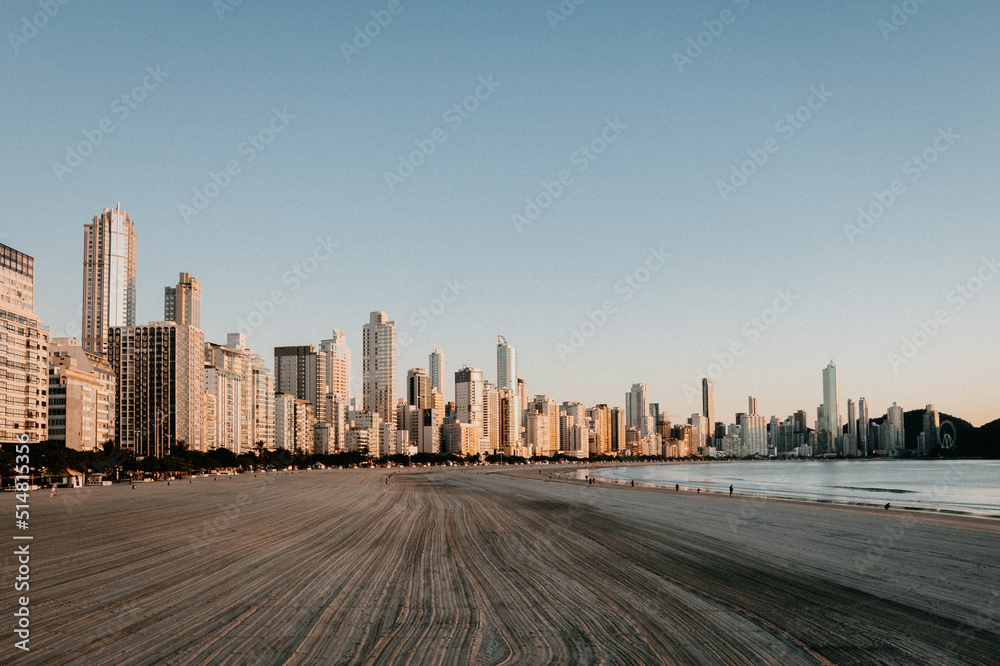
[(708, 401), (301, 371), (419, 392), (182, 303), (542, 431), (831, 406), (932, 429), (379, 366), (17, 272), (244, 391), (490, 442), (338, 365), (24, 352), (160, 392), (637, 410), (864, 446), (469, 396), (81, 396), (436, 369), (892, 433), (109, 276)]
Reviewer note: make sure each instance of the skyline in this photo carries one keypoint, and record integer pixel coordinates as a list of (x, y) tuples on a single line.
[(446, 231)]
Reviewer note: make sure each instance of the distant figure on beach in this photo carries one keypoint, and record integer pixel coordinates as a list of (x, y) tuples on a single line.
[(887, 505), (699, 490), (730, 490), (52, 493), (677, 487), (633, 484)]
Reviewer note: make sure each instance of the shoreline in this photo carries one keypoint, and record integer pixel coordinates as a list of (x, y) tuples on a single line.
[(900, 504)]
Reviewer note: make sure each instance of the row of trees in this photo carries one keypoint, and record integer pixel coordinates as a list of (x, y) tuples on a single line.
[(55, 459)]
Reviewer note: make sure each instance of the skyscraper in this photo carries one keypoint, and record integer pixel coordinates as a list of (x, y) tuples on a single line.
[(469, 396), (863, 442), (708, 401), (637, 409), (506, 365), (379, 366), (109, 276), (419, 389), (932, 429), (24, 353), (338, 365), (297, 371), (182, 303), (831, 405), (436, 369), (160, 394)]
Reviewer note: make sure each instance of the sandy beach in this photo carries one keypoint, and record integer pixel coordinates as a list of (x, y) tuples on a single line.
[(480, 566)]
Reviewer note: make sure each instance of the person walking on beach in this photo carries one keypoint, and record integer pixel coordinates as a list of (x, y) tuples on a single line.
[(52, 493), (633, 484), (730, 490), (677, 487), (887, 505)]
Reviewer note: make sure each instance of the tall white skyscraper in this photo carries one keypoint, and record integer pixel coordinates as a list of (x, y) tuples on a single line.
[(436, 370), (892, 433), (506, 365), (831, 404), (379, 366), (637, 409), (109, 276), (338, 365)]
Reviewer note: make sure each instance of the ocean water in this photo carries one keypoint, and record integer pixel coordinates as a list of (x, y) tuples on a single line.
[(960, 486)]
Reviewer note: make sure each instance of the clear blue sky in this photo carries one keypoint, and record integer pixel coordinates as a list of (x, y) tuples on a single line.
[(885, 94)]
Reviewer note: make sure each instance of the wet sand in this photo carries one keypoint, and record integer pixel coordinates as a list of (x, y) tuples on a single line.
[(468, 567)]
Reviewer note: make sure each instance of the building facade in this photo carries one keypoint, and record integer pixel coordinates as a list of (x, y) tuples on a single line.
[(109, 276), (81, 396)]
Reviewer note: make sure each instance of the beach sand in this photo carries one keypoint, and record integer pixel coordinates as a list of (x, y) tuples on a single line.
[(481, 566)]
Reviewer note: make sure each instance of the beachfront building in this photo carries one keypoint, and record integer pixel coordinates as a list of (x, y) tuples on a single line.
[(599, 418), (301, 371), (637, 413), (338, 365), (244, 396), (542, 431), (864, 428), (160, 386), (109, 276), (469, 396), (830, 422), (379, 366), (708, 405), (81, 396), (489, 442), (24, 352), (182, 303), (436, 365), (294, 423)]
